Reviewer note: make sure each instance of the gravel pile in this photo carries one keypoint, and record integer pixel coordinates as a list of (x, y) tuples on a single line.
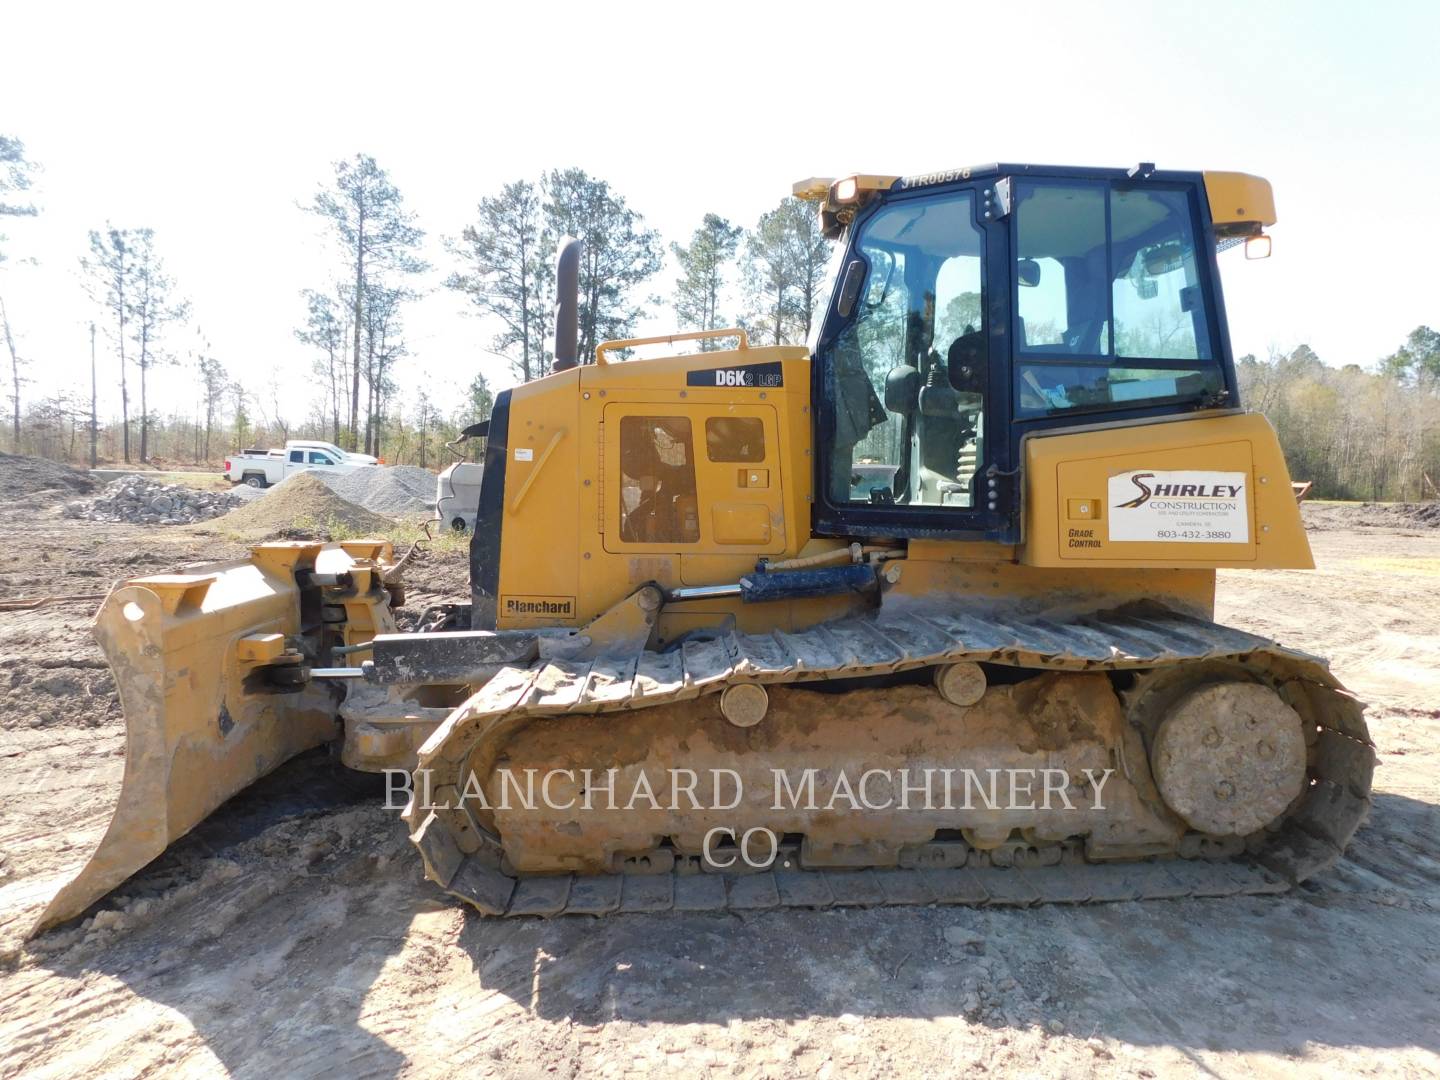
[(245, 493), (139, 501), (301, 505), (385, 489), (32, 475)]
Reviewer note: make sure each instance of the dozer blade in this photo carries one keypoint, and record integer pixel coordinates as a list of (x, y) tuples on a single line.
[(212, 689)]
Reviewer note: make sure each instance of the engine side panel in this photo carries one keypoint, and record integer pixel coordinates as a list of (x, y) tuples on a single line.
[(562, 558)]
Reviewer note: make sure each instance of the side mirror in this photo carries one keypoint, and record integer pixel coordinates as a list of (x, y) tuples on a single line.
[(902, 390), (1027, 272)]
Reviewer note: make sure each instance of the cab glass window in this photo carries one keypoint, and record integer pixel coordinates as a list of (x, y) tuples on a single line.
[(1109, 306), (1159, 309), (735, 438), (319, 458), (909, 370), (298, 456), (657, 481), (1063, 301)]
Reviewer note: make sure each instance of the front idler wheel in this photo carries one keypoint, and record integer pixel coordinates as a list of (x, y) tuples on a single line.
[(1229, 758)]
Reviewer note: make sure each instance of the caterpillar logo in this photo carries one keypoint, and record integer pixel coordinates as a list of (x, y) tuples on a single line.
[(762, 376), (550, 607)]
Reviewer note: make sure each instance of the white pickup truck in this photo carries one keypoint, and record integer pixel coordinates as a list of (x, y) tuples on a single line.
[(261, 468)]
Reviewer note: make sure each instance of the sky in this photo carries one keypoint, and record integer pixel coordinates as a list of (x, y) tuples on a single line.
[(213, 124)]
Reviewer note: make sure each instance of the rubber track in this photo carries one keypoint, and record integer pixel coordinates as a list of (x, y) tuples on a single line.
[(1310, 840)]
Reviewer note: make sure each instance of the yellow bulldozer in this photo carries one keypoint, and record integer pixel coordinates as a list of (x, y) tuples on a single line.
[(920, 612)]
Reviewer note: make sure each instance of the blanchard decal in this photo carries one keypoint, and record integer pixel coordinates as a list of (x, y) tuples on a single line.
[(759, 375), (553, 607), (1180, 506)]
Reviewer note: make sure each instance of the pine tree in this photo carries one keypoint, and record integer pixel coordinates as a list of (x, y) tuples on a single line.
[(785, 265), (151, 309), (507, 274), (619, 253), (324, 330), (16, 175), (213, 384), (239, 395), (378, 235), (481, 400), (702, 265)]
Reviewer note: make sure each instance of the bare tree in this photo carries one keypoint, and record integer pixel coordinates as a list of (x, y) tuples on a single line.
[(276, 418), (94, 398), (15, 364), (111, 272)]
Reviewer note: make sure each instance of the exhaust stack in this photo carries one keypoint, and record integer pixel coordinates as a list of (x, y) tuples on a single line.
[(567, 304)]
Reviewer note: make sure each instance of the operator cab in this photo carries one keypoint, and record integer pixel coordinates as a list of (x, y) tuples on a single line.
[(970, 309)]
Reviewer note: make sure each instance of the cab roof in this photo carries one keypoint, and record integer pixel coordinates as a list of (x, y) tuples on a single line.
[(1240, 204)]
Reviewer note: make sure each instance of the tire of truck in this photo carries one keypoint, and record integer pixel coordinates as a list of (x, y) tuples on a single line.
[(255, 480)]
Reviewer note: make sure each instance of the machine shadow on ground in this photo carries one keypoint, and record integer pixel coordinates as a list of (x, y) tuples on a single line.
[(1218, 974), (301, 946)]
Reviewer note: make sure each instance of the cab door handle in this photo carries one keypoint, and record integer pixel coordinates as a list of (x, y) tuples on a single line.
[(850, 287)]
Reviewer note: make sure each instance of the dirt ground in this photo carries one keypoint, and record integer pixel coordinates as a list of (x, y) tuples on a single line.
[(292, 934)]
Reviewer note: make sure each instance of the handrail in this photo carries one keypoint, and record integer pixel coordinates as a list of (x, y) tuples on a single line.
[(692, 335)]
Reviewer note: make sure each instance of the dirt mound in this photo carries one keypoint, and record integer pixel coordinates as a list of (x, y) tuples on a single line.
[(21, 475), (301, 505), (1422, 513), (1323, 516)]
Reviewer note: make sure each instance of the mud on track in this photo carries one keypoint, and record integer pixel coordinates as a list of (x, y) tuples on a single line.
[(293, 934)]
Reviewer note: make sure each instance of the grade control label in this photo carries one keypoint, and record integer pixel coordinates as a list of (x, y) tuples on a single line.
[(1180, 506)]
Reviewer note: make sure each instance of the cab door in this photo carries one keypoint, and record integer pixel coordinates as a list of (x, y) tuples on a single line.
[(905, 372), (682, 478)]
